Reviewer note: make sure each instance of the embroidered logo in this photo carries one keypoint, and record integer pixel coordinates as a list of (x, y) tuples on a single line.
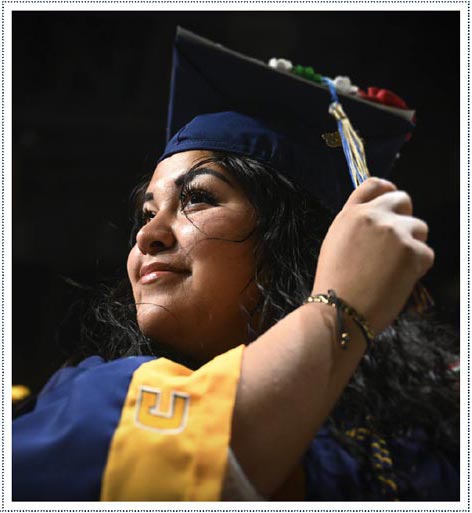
[(165, 413), (332, 139)]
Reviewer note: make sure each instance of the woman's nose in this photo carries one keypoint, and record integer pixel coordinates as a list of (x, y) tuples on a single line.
[(155, 236)]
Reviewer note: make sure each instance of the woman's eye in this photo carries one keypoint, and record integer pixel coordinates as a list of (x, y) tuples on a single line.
[(146, 216), (190, 197)]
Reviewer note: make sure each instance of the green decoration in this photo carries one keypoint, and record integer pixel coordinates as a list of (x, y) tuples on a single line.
[(307, 72)]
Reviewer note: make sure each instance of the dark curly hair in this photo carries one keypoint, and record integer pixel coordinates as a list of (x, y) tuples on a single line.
[(403, 381)]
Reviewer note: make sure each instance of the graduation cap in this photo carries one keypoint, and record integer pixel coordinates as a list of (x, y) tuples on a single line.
[(223, 101)]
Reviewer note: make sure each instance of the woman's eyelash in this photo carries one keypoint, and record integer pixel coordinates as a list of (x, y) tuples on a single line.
[(193, 194), (146, 216)]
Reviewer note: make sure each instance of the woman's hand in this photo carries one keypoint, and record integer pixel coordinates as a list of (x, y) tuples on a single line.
[(374, 252)]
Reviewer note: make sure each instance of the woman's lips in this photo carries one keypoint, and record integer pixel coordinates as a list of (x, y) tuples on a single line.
[(157, 270), (156, 275)]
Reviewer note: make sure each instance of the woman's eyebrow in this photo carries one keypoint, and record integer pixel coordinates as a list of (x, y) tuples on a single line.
[(188, 176)]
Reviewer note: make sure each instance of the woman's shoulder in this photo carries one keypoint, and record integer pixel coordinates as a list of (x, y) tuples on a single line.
[(71, 426), (93, 371), (92, 421)]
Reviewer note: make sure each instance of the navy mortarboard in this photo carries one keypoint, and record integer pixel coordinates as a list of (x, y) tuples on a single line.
[(287, 117)]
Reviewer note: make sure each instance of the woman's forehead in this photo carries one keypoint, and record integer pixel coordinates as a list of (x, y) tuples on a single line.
[(172, 167)]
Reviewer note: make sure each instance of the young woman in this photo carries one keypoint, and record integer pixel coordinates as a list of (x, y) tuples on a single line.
[(230, 377)]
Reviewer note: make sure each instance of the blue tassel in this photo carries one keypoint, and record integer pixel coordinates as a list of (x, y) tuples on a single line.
[(352, 144)]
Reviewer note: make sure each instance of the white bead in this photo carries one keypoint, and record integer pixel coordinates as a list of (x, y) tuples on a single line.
[(344, 85), (280, 64)]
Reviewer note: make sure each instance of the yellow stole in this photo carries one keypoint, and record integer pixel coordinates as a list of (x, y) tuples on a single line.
[(172, 440)]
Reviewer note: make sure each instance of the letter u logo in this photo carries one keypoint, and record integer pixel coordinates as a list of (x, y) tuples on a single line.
[(165, 413)]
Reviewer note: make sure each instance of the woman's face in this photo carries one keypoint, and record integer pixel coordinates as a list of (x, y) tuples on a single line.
[(192, 266)]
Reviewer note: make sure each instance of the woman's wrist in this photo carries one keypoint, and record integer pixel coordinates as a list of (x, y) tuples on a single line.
[(343, 310), (331, 316)]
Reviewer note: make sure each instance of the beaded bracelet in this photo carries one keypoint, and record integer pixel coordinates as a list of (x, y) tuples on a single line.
[(341, 307)]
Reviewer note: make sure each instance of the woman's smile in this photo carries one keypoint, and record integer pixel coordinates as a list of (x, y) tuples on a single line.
[(151, 277), (157, 270)]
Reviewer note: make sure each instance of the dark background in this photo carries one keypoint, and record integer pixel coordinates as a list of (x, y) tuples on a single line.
[(89, 108)]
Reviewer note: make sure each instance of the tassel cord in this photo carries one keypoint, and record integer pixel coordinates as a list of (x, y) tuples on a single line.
[(353, 146)]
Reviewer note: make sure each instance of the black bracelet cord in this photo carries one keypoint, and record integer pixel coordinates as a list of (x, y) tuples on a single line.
[(341, 306)]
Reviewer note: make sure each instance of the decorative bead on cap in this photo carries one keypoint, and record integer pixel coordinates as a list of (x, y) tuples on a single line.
[(344, 85), (280, 64)]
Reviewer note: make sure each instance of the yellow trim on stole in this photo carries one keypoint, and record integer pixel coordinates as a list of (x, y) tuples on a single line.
[(171, 443)]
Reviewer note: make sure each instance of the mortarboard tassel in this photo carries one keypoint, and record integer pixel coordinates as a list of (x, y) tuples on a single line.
[(353, 148)]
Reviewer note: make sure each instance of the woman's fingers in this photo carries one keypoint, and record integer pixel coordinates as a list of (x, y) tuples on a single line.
[(396, 201), (424, 257), (421, 254), (369, 190), (418, 228), (384, 195)]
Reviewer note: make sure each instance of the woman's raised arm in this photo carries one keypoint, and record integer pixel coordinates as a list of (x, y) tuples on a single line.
[(292, 376)]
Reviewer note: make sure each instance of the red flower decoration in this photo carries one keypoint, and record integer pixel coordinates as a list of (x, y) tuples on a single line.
[(384, 96)]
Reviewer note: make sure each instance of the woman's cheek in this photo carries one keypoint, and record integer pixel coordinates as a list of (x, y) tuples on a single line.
[(132, 267), (189, 230), (229, 221)]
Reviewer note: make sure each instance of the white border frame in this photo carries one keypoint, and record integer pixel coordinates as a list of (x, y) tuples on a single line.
[(6, 286)]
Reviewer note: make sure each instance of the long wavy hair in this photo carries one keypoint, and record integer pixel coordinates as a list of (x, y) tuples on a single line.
[(403, 381)]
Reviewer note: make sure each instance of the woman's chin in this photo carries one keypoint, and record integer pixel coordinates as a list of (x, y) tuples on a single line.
[(154, 320)]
